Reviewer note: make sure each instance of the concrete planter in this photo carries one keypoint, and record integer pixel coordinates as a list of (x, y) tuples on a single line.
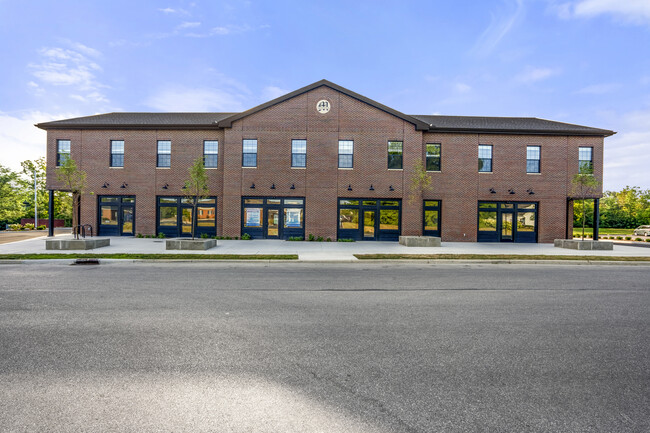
[(190, 244), (577, 244), (419, 241), (76, 244)]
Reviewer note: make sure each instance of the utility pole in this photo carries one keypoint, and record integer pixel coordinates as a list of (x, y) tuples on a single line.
[(35, 202)]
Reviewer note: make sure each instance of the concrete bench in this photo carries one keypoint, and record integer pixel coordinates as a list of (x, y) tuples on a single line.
[(577, 244), (419, 241), (76, 244), (190, 244)]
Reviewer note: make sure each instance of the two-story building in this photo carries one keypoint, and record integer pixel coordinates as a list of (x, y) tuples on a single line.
[(326, 161)]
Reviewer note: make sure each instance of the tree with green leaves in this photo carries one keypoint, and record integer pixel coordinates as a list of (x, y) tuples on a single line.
[(29, 168), (584, 186), (11, 208), (74, 180), (196, 188), (419, 183)]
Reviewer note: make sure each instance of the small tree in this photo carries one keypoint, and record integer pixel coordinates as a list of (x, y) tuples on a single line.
[(74, 180), (419, 183), (196, 187), (584, 186)]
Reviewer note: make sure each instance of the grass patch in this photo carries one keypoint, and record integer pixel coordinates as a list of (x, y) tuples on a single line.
[(495, 257), (150, 256), (577, 232)]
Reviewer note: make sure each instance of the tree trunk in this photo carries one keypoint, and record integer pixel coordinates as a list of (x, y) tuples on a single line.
[(75, 215)]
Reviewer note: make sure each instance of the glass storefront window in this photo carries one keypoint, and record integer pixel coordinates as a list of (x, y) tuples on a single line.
[(253, 217), (487, 205), (272, 201), (431, 203), (205, 216), (187, 220), (128, 200), (388, 219), (507, 206), (167, 216), (349, 219), (109, 215), (171, 200), (293, 201), (293, 218), (207, 200), (526, 206), (389, 203), (110, 199), (487, 221), (370, 203), (349, 202), (254, 201), (431, 220), (187, 200), (525, 221)]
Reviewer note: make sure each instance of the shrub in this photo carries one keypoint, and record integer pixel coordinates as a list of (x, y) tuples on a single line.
[(295, 238), (345, 240), (15, 227), (139, 235), (638, 240), (628, 238), (311, 237), (620, 238), (41, 227), (227, 238), (204, 236), (161, 235), (29, 226), (319, 239), (647, 239), (236, 238), (246, 237), (329, 239)]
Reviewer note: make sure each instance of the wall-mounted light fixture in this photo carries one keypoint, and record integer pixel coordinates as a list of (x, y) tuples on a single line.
[(105, 185), (165, 186), (272, 186), (124, 185), (252, 185), (350, 187), (390, 188), (372, 188), (293, 186), (492, 191), (530, 191), (511, 191)]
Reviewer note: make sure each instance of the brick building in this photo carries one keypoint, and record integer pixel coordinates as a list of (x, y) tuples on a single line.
[(326, 161)]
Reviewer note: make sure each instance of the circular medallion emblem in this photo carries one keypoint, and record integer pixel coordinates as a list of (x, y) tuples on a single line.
[(323, 106)]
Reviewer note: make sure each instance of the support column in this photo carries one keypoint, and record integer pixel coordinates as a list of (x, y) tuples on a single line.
[(50, 214), (596, 218)]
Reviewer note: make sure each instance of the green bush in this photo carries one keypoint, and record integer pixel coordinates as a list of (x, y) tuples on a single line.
[(246, 237), (329, 239), (29, 226), (204, 235), (345, 240), (311, 237), (638, 240), (647, 239), (161, 235), (620, 238), (236, 238), (41, 227), (139, 236), (295, 238), (15, 227), (628, 238), (320, 239)]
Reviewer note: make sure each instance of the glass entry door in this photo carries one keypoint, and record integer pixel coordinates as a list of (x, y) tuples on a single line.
[(127, 220), (116, 215), (506, 226), (272, 223), (369, 224)]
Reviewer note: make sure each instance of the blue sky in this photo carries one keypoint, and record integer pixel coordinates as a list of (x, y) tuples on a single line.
[(580, 61)]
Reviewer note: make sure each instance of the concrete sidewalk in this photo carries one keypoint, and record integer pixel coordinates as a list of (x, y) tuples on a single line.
[(320, 251)]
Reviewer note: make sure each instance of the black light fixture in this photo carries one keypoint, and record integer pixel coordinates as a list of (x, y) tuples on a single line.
[(184, 187), (511, 191), (273, 186), (390, 188), (492, 191), (293, 186), (165, 186), (372, 188), (530, 191), (350, 187), (124, 185), (253, 185), (105, 185)]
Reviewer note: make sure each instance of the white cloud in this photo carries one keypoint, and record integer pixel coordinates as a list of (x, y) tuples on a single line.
[(599, 89), (500, 25), (272, 92), (20, 140), (168, 11), (633, 11), (196, 99), (462, 87), (624, 162), (532, 75), (69, 67), (188, 25)]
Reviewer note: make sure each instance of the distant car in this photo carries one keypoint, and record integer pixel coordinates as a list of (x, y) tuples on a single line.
[(642, 231)]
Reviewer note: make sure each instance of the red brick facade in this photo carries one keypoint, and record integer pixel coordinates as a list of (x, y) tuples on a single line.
[(458, 185)]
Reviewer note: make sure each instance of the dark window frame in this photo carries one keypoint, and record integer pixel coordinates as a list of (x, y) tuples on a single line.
[(180, 203), (117, 158), (432, 159), (395, 158), (437, 208), (280, 204), (296, 161), (484, 162), (511, 207), (346, 155), (60, 154), (163, 157), (534, 165), (244, 155), (586, 166), (209, 155), (374, 204)]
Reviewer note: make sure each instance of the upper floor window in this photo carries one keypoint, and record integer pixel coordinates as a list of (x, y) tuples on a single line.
[(298, 153), (586, 159), (533, 155), (249, 153), (394, 155), (164, 153), (346, 153), (117, 153), (211, 153), (485, 158), (433, 156), (62, 151)]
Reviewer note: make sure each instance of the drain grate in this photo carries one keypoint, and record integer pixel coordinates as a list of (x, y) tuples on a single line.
[(86, 262)]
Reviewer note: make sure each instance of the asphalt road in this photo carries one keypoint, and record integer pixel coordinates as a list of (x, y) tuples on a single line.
[(324, 348)]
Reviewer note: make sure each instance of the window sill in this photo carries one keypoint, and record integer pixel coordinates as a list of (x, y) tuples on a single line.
[(346, 168), (212, 168), (535, 174), (298, 168), (163, 168), (395, 169), (249, 167), (434, 171), (116, 167), (485, 172)]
